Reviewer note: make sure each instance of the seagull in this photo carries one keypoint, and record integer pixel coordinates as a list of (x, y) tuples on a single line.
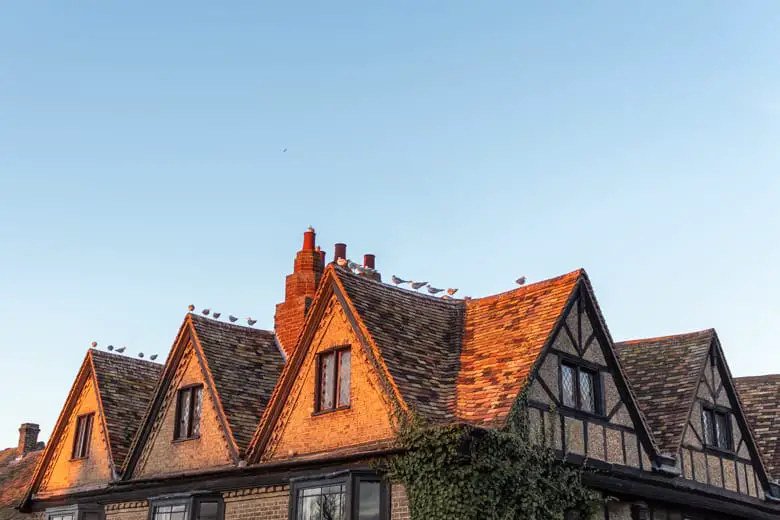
[(232, 319), (250, 321), (206, 312), (121, 349), (191, 307), (434, 290), (520, 281), (451, 291), (216, 315), (399, 281), (141, 355), (352, 265), (341, 262), (417, 285), (153, 357), (110, 347), (94, 344), (284, 150)]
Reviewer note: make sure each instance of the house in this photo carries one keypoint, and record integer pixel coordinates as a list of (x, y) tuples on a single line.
[(243, 423), (16, 468)]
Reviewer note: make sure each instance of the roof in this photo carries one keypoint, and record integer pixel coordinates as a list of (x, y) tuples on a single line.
[(503, 337), (664, 373), (245, 365), (15, 476), (125, 385), (418, 337), (760, 397)]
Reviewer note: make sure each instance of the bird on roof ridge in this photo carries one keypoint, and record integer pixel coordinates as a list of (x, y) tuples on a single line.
[(398, 281), (250, 321), (452, 291), (434, 290), (206, 312), (110, 348), (121, 349), (232, 318), (141, 355), (153, 357), (216, 315), (417, 285), (341, 262), (520, 281), (94, 344), (191, 307)]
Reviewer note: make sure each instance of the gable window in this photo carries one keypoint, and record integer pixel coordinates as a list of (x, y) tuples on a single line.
[(82, 436), (333, 377), (580, 388), (188, 508), (188, 405), (717, 428), (359, 497)]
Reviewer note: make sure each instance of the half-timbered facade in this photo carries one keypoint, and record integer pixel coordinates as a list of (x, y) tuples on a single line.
[(243, 423)]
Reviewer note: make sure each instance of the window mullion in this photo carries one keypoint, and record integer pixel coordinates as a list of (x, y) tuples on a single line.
[(191, 391), (334, 373)]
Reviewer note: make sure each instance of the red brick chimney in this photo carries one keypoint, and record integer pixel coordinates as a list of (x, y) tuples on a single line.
[(28, 439), (299, 289)]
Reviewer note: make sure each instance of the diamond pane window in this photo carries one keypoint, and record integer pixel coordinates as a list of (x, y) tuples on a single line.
[(580, 388), (568, 385), (587, 391)]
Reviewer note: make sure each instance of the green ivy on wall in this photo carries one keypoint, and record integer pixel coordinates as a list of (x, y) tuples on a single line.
[(459, 472)]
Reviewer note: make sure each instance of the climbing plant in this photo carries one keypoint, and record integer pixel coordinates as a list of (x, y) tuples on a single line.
[(460, 472)]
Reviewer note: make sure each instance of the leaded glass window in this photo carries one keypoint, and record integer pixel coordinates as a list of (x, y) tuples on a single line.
[(580, 388)]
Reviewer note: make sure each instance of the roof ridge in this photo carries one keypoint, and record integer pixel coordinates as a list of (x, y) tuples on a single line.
[(218, 323), (114, 355), (454, 301), (667, 337), (514, 292), (764, 377)]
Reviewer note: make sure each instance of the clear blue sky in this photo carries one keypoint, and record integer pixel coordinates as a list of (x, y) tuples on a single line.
[(465, 143)]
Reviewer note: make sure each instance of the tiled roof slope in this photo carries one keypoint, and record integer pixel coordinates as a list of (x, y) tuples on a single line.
[(418, 337), (503, 336), (15, 476), (245, 365), (126, 385), (760, 396), (664, 373)]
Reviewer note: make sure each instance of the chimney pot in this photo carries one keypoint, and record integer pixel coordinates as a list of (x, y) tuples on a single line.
[(28, 438), (369, 261), (322, 257), (340, 252), (308, 239)]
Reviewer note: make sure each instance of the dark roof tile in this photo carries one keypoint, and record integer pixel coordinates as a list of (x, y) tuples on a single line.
[(15, 477), (760, 396)]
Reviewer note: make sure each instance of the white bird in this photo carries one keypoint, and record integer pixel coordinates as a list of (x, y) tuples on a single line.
[(418, 285), (206, 312), (520, 281), (250, 321), (110, 347), (341, 262), (216, 315), (451, 292), (191, 307), (398, 281), (121, 349), (153, 357), (434, 290), (232, 319), (141, 355)]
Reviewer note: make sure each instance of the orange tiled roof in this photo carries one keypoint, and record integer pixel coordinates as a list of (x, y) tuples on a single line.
[(503, 337)]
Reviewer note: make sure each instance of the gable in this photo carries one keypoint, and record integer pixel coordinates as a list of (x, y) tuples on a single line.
[(61, 471), (612, 434), (737, 469), (159, 452), (301, 431)]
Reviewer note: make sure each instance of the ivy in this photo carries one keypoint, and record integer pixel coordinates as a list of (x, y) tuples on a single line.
[(460, 472)]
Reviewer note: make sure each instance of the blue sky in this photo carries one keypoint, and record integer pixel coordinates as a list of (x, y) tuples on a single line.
[(465, 143)]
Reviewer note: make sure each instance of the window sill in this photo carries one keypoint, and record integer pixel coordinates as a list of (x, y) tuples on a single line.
[(185, 439), (78, 459), (582, 414), (715, 450), (332, 410)]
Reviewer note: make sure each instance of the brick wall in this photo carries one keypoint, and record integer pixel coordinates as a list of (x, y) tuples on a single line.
[(266, 503), (162, 454), (368, 419), (64, 473), (399, 503), (138, 510)]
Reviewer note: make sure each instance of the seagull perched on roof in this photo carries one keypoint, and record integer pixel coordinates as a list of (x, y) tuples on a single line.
[(153, 357), (250, 321), (141, 355), (121, 349), (206, 312), (417, 285), (341, 262), (232, 319), (191, 307), (216, 315), (352, 265), (94, 344), (110, 347), (520, 281), (398, 281), (434, 290), (451, 291)]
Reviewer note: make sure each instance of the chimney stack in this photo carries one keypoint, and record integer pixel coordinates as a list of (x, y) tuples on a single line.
[(369, 261), (299, 290), (340, 252), (28, 438)]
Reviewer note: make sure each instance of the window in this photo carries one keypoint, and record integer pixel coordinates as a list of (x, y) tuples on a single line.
[(75, 512), (580, 388), (82, 437), (333, 374), (717, 428), (188, 508), (361, 495), (188, 405)]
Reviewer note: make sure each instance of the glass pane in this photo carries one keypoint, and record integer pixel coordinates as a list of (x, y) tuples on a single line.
[(709, 432), (345, 358), (87, 435), (567, 381), (198, 397), (327, 381), (722, 431), (587, 391), (322, 503), (178, 508), (368, 507), (91, 515), (184, 414), (309, 508), (208, 510)]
